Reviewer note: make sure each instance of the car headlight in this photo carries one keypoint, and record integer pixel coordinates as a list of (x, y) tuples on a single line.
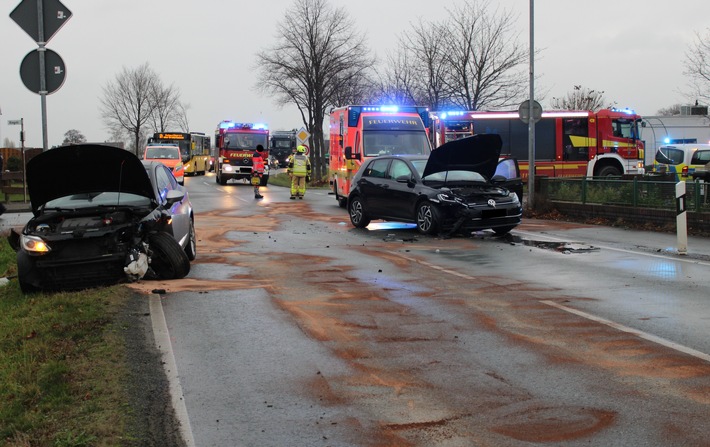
[(34, 245), (445, 197)]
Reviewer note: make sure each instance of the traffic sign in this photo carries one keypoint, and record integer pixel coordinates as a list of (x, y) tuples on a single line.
[(54, 69), (302, 135), (54, 16), (524, 111), (14, 122)]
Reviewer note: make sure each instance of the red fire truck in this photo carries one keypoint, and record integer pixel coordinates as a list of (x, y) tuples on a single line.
[(235, 144), (567, 143), (358, 133)]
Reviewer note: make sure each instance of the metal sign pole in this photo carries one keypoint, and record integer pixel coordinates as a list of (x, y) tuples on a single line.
[(42, 72), (531, 120)]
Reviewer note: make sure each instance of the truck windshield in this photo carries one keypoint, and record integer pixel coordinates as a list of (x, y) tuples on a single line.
[(246, 141), (624, 128), (383, 142)]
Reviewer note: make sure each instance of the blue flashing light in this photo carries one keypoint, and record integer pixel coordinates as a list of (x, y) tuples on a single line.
[(389, 109), (666, 140), (226, 124), (259, 126), (626, 110)]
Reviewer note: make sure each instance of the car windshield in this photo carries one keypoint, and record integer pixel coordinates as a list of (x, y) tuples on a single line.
[(669, 155), (455, 176), (165, 153), (390, 142), (93, 199)]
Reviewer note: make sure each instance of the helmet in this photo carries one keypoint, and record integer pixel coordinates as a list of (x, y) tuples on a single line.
[(301, 149)]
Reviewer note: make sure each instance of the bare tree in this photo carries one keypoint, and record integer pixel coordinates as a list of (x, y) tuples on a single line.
[(73, 136), (487, 66), (127, 101), (582, 98), (318, 62), (181, 118), (697, 67), (670, 110), (166, 111)]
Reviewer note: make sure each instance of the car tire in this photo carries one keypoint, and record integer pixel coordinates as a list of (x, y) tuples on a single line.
[(358, 215), (428, 218), (191, 247), (168, 259), (342, 201), (503, 230)]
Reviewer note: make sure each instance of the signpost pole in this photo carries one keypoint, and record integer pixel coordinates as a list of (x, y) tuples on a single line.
[(42, 72), (531, 121)]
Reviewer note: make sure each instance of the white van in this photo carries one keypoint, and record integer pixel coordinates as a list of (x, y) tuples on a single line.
[(681, 159)]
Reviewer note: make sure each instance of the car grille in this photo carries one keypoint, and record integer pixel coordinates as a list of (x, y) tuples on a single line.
[(82, 274)]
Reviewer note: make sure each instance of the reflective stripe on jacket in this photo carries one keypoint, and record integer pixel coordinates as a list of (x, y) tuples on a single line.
[(300, 165)]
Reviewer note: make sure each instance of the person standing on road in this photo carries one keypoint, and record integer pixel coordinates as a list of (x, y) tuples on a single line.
[(299, 169), (257, 170)]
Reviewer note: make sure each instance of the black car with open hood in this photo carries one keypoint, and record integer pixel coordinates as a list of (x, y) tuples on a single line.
[(461, 186)]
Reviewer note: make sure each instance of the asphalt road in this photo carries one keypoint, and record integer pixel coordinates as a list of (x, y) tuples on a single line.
[(293, 328)]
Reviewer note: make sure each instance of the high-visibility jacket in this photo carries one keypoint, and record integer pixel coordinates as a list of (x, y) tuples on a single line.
[(299, 166), (257, 163)]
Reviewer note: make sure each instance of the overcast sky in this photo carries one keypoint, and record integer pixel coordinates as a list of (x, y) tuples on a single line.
[(630, 49)]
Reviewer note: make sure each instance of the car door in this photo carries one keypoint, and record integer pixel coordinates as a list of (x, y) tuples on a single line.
[(400, 195), (166, 182), (373, 185), (508, 168)]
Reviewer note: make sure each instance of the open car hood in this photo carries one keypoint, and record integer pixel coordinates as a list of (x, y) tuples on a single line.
[(477, 153), (85, 168)]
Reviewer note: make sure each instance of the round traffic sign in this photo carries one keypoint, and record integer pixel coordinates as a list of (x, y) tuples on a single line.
[(54, 69), (524, 111)]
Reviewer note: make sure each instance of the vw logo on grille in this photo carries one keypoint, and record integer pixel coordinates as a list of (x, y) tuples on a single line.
[(492, 203)]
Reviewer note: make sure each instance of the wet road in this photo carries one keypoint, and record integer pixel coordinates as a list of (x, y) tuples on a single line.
[(295, 329)]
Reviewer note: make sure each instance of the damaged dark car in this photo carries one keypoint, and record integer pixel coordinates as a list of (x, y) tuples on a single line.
[(101, 217), (462, 186)]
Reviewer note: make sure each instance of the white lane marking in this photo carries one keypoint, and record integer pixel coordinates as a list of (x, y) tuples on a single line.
[(620, 250), (621, 327), (636, 332), (162, 341)]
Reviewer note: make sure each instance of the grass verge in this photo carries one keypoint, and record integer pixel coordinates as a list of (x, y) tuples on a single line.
[(63, 366)]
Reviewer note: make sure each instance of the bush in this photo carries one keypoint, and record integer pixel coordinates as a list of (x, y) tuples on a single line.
[(14, 163)]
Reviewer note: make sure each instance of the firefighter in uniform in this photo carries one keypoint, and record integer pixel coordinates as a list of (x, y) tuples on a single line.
[(257, 170), (299, 168)]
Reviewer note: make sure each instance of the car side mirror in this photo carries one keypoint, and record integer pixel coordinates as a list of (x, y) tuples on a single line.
[(348, 153), (405, 179), (174, 196), (498, 178)]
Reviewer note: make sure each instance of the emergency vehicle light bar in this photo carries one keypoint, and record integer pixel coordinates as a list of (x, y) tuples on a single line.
[(355, 111), (227, 124)]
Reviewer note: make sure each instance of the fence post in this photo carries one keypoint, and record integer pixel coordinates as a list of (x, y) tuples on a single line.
[(681, 218)]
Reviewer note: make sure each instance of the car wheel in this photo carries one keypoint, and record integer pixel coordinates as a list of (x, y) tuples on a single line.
[(503, 230), (358, 216), (342, 201), (427, 218), (191, 247), (168, 259)]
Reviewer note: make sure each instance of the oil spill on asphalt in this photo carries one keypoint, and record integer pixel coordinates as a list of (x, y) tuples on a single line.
[(412, 378)]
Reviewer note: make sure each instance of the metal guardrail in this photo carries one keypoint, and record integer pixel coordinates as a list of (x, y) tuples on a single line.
[(635, 192)]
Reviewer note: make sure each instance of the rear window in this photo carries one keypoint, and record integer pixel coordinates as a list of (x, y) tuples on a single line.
[(164, 153), (670, 156)]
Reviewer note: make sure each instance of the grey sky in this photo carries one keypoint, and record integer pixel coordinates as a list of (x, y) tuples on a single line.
[(632, 50)]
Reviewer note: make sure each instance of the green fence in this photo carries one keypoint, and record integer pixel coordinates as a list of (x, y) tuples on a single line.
[(634, 192)]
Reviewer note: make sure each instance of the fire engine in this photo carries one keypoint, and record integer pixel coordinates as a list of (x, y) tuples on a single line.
[(567, 143), (235, 144), (358, 133)]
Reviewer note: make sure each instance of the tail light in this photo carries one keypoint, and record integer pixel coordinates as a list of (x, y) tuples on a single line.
[(685, 171)]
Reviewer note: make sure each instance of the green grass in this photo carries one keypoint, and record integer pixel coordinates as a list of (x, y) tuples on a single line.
[(62, 366)]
